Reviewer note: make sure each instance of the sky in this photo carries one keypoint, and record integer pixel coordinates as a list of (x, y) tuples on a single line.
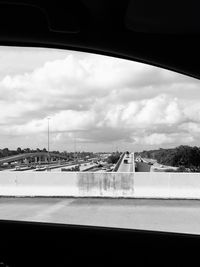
[(95, 103)]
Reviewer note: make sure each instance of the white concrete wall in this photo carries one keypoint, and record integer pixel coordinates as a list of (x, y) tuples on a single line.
[(134, 185), (167, 185), (37, 184)]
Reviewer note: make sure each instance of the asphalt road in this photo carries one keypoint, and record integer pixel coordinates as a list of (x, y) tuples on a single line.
[(125, 167), (163, 215)]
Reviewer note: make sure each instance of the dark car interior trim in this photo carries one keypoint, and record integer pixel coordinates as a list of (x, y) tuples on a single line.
[(121, 29)]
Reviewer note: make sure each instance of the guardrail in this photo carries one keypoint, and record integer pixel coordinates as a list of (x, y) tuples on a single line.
[(119, 162), (88, 184)]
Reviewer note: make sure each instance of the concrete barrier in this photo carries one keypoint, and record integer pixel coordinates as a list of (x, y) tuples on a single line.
[(119, 162), (127, 185), (167, 185), (106, 184), (37, 184)]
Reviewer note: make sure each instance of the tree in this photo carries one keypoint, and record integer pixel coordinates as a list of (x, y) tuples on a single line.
[(19, 150), (182, 156), (27, 150), (5, 152), (113, 158)]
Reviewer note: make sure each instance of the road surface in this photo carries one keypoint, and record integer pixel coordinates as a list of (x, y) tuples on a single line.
[(163, 215), (82, 167), (126, 167)]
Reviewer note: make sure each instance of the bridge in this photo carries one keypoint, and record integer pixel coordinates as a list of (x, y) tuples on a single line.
[(35, 157), (126, 163)]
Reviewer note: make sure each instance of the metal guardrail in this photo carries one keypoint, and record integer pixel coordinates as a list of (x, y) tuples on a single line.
[(118, 163)]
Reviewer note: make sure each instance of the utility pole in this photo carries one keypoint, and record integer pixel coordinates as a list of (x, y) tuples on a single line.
[(74, 146), (48, 147)]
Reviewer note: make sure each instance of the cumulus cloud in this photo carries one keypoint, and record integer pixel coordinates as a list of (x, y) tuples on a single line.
[(97, 100), (155, 139), (160, 139)]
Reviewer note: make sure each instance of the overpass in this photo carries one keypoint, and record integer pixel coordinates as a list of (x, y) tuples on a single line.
[(126, 163), (35, 157)]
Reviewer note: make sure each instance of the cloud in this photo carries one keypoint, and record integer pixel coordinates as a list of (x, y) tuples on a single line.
[(100, 100), (154, 139), (191, 127), (160, 139), (64, 121)]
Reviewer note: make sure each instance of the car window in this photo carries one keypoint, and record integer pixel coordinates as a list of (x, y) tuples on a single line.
[(96, 140)]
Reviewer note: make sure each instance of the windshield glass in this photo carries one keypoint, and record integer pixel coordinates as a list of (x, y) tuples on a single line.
[(96, 140)]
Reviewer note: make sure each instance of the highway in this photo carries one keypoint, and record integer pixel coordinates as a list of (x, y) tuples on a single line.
[(29, 162), (127, 167), (83, 167), (157, 166), (162, 215), (53, 168)]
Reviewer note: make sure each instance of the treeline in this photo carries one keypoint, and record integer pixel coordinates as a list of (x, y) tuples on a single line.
[(114, 157), (6, 152), (182, 156)]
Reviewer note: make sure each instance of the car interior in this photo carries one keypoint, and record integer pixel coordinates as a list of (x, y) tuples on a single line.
[(160, 33)]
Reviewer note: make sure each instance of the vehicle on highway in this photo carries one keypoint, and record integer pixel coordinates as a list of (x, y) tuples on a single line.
[(22, 168), (72, 169), (40, 168)]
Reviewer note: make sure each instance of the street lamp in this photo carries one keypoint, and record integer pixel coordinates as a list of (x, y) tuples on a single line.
[(74, 146), (48, 146)]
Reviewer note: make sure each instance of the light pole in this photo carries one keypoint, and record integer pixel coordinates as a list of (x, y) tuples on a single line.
[(48, 146), (74, 146)]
